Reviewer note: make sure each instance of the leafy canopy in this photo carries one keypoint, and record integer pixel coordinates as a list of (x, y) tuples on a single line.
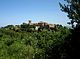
[(72, 8)]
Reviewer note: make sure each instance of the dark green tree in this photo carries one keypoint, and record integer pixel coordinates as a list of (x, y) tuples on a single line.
[(72, 8), (9, 27)]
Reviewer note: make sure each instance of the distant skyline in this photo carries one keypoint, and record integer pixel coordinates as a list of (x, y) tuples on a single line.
[(19, 11)]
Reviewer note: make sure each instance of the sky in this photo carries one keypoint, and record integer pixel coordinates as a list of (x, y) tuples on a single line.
[(13, 12)]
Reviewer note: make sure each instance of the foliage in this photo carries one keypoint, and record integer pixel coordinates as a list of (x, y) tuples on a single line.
[(31, 45), (27, 27), (72, 8)]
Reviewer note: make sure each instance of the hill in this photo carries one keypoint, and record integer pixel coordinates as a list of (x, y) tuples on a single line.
[(20, 42)]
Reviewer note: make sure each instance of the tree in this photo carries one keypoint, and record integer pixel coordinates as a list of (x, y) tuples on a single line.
[(73, 11), (72, 8), (9, 26)]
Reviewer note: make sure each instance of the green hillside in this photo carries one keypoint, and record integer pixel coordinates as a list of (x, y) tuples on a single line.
[(18, 43)]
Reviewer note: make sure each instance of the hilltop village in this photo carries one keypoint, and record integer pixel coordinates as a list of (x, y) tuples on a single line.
[(30, 26), (32, 40), (42, 25)]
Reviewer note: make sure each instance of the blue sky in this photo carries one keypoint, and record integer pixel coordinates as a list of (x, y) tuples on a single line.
[(19, 11)]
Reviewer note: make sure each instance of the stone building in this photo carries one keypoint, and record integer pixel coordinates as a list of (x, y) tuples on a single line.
[(42, 25)]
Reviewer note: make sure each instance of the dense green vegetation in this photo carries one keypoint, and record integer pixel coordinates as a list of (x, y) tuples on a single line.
[(23, 42), (72, 8), (17, 43)]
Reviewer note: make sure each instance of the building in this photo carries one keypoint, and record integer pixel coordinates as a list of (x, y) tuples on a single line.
[(42, 25)]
